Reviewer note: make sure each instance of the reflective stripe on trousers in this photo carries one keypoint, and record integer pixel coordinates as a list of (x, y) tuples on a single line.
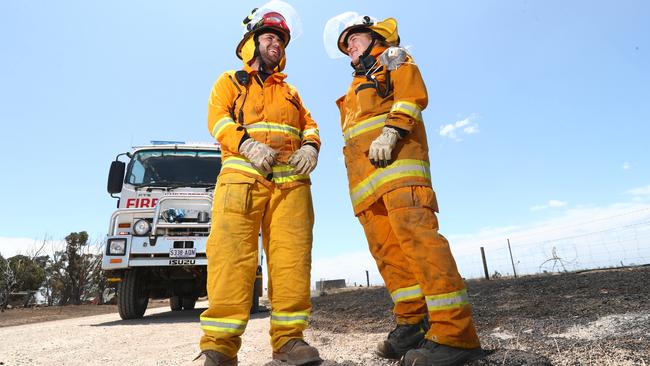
[(406, 293), (397, 170), (281, 318), (447, 301), (233, 326)]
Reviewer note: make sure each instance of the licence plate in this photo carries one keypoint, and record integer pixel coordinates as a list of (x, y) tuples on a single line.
[(182, 253)]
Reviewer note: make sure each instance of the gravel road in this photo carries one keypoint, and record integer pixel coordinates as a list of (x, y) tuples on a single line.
[(162, 337)]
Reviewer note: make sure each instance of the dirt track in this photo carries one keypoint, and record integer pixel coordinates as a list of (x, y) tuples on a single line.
[(594, 318)]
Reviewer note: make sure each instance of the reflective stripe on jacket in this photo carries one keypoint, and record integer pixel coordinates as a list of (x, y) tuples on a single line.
[(272, 113), (363, 115)]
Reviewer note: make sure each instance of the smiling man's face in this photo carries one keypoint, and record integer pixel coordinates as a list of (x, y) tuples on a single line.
[(358, 44), (271, 48)]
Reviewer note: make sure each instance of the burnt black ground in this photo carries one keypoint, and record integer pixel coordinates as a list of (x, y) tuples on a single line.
[(518, 318)]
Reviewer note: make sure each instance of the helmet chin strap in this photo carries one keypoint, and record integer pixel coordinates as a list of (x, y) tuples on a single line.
[(365, 60), (262, 68)]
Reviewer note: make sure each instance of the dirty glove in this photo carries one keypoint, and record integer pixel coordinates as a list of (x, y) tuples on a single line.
[(261, 156), (304, 160), (382, 148)]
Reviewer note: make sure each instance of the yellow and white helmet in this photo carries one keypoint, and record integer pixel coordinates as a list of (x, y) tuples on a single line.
[(340, 27)]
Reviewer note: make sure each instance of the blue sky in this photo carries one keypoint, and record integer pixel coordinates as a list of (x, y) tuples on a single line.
[(555, 97)]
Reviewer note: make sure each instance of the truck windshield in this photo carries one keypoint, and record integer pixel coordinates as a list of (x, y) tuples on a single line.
[(174, 168)]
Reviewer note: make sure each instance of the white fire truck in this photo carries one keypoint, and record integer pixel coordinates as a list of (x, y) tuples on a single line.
[(155, 247)]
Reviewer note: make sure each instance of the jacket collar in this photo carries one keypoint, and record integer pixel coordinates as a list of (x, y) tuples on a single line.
[(276, 76)]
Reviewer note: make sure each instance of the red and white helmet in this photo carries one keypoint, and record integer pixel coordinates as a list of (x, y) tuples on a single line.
[(275, 16)]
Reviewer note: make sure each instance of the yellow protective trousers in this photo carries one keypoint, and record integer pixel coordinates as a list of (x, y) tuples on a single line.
[(417, 265), (242, 205)]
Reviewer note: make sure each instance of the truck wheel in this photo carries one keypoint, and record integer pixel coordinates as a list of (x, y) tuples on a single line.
[(189, 303), (175, 303), (133, 297)]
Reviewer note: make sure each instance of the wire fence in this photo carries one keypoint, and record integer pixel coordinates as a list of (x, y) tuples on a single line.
[(619, 246)]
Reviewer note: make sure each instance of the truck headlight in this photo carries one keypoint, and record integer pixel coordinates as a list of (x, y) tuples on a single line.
[(141, 227), (116, 246)]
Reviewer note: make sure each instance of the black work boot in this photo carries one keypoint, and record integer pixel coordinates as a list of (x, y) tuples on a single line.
[(297, 352), (214, 358), (401, 339), (434, 354)]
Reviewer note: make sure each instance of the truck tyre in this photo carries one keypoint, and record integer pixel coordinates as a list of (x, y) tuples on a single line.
[(175, 303), (189, 303), (133, 297)]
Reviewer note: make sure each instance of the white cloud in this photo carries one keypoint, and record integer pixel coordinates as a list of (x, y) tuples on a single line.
[(549, 204), (584, 237), (627, 166), (10, 247), (471, 129), (640, 191), (455, 130)]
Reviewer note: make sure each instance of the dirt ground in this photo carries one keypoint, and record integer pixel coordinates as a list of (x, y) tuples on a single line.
[(595, 317), (20, 316), (589, 318)]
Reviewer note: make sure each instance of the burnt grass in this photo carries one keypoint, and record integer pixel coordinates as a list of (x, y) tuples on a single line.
[(517, 317)]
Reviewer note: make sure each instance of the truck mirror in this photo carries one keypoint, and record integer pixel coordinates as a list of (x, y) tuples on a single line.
[(116, 177)]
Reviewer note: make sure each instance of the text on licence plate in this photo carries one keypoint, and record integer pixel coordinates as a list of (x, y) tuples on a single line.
[(182, 253)]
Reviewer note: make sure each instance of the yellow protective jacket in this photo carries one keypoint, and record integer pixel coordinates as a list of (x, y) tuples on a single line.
[(363, 115), (272, 113)]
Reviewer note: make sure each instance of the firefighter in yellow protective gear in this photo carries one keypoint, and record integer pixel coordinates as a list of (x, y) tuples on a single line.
[(269, 146), (386, 156)]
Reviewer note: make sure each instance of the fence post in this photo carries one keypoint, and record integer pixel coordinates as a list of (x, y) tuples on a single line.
[(485, 268), (511, 259), (367, 279)]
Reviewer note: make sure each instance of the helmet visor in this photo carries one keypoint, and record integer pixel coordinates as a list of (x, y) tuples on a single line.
[(280, 15), (336, 30)]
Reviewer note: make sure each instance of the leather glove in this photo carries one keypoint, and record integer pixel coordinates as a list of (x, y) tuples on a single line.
[(381, 149), (304, 160), (261, 156)]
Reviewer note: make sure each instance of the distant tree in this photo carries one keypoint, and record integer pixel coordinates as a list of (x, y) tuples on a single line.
[(76, 274), (57, 279), (20, 273), (69, 275), (7, 282), (98, 281), (29, 275), (47, 263)]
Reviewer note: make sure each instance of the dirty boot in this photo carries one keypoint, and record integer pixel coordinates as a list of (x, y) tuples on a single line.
[(434, 354), (214, 358), (401, 339), (297, 352)]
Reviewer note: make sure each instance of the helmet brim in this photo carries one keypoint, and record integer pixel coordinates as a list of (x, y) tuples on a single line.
[(286, 37), (343, 38)]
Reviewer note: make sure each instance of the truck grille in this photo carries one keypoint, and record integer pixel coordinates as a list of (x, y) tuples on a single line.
[(184, 231)]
